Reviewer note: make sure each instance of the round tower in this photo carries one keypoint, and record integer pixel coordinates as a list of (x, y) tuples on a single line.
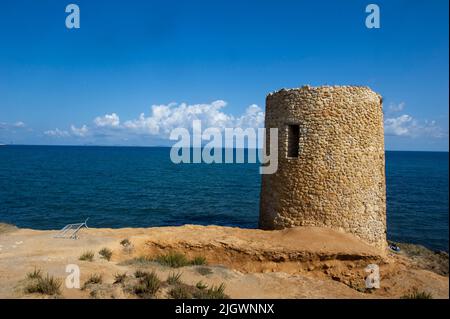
[(331, 170)]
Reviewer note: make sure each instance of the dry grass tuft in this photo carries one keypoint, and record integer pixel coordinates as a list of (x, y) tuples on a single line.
[(87, 256), (47, 285), (120, 278), (416, 294), (106, 253), (148, 285), (177, 260), (93, 279)]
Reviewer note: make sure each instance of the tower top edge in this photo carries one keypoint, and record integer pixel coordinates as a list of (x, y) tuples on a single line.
[(325, 88)]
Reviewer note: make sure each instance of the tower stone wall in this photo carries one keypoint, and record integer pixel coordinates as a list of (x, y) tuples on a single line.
[(331, 165)]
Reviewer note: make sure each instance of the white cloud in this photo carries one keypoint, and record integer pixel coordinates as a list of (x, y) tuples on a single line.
[(164, 118), (7, 126), (80, 132), (19, 124), (74, 131), (253, 117), (398, 126), (396, 107), (108, 120), (406, 125), (57, 133)]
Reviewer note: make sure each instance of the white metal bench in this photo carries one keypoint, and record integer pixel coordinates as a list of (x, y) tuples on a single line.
[(71, 230)]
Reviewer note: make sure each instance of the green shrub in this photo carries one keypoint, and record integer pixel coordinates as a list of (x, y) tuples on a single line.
[(199, 260), (212, 293), (87, 256), (139, 273), (106, 253), (180, 292), (200, 285), (177, 260), (35, 274), (416, 294), (173, 259), (148, 285), (44, 285), (174, 278)]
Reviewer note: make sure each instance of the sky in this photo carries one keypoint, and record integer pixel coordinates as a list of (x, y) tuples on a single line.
[(135, 70)]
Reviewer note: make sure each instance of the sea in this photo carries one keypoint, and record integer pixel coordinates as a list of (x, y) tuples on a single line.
[(47, 187)]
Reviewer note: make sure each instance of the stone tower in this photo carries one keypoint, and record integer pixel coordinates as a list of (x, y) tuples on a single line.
[(331, 169)]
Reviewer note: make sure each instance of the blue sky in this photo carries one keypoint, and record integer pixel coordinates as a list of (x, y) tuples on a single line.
[(217, 59)]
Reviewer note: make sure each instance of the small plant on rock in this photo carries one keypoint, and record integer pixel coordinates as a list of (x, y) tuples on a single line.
[(201, 285)]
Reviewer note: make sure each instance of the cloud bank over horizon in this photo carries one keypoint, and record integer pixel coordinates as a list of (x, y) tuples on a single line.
[(396, 124), (162, 120), (155, 126)]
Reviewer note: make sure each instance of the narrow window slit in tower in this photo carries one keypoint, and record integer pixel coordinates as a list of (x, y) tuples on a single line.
[(293, 140)]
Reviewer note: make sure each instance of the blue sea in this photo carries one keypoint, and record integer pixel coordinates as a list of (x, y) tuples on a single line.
[(46, 187)]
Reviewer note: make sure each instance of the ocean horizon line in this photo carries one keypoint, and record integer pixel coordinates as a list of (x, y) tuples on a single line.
[(165, 146)]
